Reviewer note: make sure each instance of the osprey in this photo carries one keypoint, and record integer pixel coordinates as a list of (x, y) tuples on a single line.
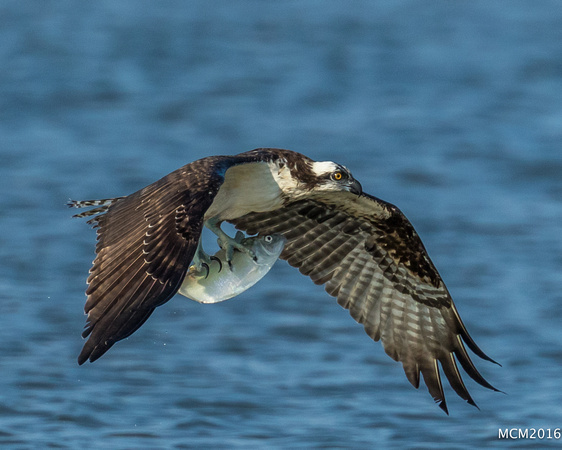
[(364, 250)]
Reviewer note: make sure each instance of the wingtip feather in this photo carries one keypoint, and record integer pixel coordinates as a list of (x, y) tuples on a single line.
[(432, 380)]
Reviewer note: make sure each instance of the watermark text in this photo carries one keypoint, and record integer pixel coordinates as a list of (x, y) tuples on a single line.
[(529, 433)]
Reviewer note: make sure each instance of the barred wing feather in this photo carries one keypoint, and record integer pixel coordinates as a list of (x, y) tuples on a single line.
[(368, 256)]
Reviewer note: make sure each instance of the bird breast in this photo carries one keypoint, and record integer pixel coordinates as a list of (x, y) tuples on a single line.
[(250, 187)]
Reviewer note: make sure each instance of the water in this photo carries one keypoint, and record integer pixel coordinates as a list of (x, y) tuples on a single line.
[(449, 110)]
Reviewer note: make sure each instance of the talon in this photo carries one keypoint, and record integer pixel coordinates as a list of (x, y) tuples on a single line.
[(227, 243), (214, 258), (202, 261)]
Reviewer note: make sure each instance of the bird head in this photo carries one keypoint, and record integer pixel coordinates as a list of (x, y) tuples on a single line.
[(333, 177)]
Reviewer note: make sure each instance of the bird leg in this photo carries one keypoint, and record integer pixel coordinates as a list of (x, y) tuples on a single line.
[(227, 243)]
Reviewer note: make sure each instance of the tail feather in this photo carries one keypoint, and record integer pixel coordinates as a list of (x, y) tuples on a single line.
[(88, 203), (103, 204)]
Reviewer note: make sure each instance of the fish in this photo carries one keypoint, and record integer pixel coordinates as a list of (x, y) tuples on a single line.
[(219, 280)]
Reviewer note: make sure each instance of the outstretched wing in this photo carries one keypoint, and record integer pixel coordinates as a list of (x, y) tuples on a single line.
[(146, 242), (369, 256)]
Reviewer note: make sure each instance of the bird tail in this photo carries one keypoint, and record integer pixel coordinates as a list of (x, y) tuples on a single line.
[(103, 206)]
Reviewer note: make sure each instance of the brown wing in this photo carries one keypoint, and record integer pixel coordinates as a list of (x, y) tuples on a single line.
[(146, 242), (369, 256)]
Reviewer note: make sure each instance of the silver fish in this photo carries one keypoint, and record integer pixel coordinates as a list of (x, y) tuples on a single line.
[(219, 282)]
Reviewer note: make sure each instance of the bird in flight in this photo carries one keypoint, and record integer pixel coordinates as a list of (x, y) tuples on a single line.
[(362, 249)]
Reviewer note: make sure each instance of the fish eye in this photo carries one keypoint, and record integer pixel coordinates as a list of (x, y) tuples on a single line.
[(268, 239)]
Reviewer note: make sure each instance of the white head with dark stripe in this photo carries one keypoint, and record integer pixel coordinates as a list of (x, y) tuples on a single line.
[(328, 177), (300, 176), (331, 176)]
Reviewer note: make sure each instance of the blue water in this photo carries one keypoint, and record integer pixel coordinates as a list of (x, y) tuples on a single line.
[(451, 110)]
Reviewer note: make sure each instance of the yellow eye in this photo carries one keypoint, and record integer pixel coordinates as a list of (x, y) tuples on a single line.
[(338, 176)]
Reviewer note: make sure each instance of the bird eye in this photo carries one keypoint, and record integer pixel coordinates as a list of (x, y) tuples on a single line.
[(337, 176), (268, 239)]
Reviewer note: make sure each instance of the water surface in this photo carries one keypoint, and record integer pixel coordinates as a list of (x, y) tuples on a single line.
[(451, 111)]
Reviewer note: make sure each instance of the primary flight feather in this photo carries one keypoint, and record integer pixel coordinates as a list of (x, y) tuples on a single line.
[(364, 250)]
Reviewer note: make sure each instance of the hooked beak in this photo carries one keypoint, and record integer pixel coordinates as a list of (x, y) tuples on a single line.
[(356, 188)]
